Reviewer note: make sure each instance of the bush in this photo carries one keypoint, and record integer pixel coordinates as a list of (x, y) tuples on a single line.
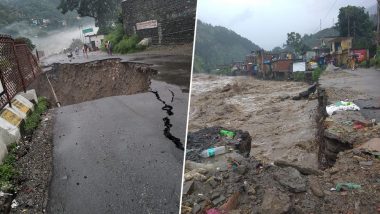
[(316, 74), (120, 43), (375, 62), (116, 35), (299, 76), (7, 169), (27, 41), (363, 64), (128, 45), (34, 119)]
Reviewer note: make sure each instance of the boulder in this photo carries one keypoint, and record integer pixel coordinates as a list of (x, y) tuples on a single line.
[(291, 179), (145, 42), (275, 202)]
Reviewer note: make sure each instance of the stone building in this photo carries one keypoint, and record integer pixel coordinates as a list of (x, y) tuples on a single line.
[(164, 21)]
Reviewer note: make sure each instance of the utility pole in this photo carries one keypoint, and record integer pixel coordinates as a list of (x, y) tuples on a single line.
[(320, 24), (348, 28), (378, 24)]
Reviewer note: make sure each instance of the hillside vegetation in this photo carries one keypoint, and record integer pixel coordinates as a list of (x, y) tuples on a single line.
[(17, 15), (313, 40), (216, 45)]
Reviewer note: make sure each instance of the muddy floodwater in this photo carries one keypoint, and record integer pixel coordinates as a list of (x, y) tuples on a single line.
[(281, 128)]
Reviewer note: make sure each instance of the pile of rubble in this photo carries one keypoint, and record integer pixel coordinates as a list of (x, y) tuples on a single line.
[(233, 182)]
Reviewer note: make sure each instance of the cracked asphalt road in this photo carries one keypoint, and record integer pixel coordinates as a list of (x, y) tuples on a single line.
[(110, 155)]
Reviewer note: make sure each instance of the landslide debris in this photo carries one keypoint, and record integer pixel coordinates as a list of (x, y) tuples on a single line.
[(232, 183)]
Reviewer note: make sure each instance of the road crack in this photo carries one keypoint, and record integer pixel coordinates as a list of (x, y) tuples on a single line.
[(167, 123)]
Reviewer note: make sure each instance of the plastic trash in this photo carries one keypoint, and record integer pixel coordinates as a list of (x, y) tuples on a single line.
[(341, 106), (227, 133), (14, 204), (4, 194), (211, 152), (349, 186)]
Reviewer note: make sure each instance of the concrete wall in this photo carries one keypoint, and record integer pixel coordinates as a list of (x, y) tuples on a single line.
[(96, 38), (165, 21)]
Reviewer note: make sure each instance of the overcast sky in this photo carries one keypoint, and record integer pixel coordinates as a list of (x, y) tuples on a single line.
[(266, 22)]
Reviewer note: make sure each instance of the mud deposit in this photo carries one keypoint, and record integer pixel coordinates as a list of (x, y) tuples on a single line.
[(281, 128), (76, 83)]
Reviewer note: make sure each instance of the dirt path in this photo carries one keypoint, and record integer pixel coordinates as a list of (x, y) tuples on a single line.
[(281, 128)]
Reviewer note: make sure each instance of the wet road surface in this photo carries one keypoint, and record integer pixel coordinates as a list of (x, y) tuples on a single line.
[(363, 80), (111, 156)]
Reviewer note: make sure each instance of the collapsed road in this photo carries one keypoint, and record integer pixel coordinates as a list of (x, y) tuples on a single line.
[(113, 141)]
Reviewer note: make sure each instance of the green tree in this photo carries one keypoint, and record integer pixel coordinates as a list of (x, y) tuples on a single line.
[(103, 11), (277, 49), (6, 17), (295, 43), (355, 22)]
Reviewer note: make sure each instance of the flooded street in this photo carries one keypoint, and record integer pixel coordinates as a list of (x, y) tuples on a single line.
[(281, 128)]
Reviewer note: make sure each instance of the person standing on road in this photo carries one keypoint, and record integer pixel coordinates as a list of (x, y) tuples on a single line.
[(109, 48), (85, 50), (353, 62)]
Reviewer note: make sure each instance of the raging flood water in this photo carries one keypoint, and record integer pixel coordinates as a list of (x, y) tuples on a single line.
[(281, 128)]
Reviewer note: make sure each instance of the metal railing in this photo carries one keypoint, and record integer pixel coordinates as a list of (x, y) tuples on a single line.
[(18, 68)]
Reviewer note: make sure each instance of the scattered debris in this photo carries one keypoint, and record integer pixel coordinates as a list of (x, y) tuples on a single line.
[(4, 194), (341, 106), (14, 204), (347, 186), (282, 184), (305, 94)]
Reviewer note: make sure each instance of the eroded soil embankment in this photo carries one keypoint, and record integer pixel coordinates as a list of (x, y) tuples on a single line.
[(329, 148), (76, 83), (338, 132)]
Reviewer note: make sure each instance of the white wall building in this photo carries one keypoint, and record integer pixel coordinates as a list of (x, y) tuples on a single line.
[(95, 41)]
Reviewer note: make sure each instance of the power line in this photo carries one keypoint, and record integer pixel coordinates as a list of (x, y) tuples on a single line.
[(328, 12), (330, 8)]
